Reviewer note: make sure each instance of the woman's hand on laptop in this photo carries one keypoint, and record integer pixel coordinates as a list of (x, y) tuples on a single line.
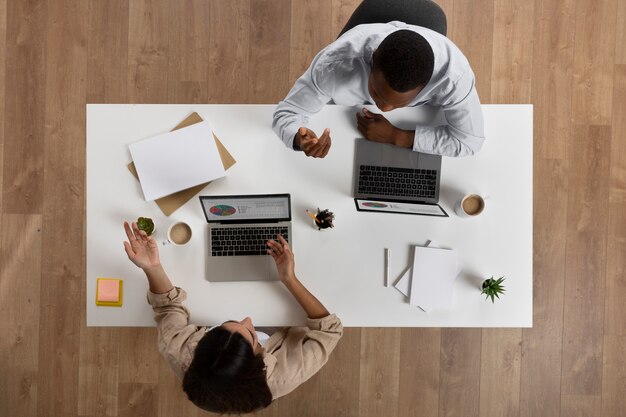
[(285, 263), (313, 146), (141, 249)]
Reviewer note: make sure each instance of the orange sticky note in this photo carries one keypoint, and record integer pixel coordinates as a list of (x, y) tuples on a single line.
[(109, 292)]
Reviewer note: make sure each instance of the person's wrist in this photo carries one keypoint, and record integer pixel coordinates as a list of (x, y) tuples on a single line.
[(289, 278), (403, 138), (152, 268)]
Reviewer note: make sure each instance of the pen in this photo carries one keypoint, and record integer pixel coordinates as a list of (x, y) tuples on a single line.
[(313, 215), (387, 254)]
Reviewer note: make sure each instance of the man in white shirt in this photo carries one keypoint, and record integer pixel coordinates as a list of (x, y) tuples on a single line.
[(391, 65)]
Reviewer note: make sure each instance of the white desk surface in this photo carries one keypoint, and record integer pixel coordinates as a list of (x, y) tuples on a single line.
[(344, 266)]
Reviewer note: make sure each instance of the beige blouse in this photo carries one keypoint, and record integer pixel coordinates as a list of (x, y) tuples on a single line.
[(292, 355)]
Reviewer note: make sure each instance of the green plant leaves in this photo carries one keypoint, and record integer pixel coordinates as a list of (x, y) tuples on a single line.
[(146, 224), (492, 288)]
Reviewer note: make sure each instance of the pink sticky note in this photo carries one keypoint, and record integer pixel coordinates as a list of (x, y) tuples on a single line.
[(109, 290)]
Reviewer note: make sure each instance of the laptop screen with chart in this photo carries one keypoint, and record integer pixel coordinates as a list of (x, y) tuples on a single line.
[(246, 208), (239, 227)]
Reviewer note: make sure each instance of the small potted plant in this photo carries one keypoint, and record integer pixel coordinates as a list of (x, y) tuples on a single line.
[(146, 224), (492, 288)]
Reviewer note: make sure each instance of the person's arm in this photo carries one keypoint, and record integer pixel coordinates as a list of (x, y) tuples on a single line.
[(306, 98), (171, 316), (142, 250), (463, 135), (303, 351), (285, 265)]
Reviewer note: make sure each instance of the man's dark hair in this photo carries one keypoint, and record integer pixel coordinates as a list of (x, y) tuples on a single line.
[(225, 376), (405, 59)]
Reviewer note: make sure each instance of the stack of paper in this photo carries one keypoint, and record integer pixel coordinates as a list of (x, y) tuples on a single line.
[(429, 282), (176, 160)]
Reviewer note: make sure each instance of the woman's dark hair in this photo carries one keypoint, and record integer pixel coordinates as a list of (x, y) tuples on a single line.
[(225, 376), (405, 59)]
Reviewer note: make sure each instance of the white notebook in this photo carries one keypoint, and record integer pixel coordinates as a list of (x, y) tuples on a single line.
[(176, 160), (433, 273), (403, 284)]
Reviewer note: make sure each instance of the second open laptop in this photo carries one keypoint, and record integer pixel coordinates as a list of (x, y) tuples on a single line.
[(390, 179), (238, 228)]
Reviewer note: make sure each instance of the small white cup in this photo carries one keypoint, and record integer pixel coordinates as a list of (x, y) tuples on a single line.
[(178, 234), (470, 206)]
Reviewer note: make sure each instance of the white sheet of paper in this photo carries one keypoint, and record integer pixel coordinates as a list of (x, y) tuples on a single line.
[(432, 281), (176, 160), (403, 286)]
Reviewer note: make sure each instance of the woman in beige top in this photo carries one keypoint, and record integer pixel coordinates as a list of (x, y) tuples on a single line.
[(227, 369)]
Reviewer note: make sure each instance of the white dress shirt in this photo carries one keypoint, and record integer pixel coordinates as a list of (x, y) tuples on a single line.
[(340, 73)]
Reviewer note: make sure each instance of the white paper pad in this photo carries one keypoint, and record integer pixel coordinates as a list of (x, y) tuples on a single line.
[(176, 160), (403, 284)]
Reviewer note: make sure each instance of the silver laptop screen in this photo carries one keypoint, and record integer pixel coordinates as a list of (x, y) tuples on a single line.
[(246, 208)]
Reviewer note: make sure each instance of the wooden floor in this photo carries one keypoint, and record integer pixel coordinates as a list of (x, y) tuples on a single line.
[(567, 57)]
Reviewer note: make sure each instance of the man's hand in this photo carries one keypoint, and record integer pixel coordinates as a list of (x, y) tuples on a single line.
[(313, 146), (281, 252), (377, 128), (141, 249)]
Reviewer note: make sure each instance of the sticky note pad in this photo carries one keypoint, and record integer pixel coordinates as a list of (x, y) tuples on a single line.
[(109, 292)]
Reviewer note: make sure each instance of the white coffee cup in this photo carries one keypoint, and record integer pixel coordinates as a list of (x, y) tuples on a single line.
[(470, 206), (178, 234)]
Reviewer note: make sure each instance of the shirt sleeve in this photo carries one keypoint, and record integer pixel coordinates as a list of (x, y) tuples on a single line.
[(308, 96), (303, 352), (174, 330), (464, 133)]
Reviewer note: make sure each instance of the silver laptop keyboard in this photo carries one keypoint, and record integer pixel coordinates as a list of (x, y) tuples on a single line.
[(401, 182), (243, 241)]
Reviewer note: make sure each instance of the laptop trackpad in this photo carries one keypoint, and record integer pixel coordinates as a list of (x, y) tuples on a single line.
[(239, 268)]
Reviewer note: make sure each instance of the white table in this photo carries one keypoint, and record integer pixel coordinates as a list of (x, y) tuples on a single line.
[(344, 266)]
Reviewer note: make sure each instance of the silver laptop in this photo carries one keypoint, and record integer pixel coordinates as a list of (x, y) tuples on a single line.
[(238, 228), (390, 179)]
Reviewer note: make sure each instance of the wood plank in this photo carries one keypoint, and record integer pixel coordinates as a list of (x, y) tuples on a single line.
[(594, 56), (188, 51), (341, 10), (470, 27), (512, 65), (500, 374), (585, 261), (22, 178), (62, 287), (137, 400), (98, 371), (20, 269), (420, 351), (308, 39), (380, 371), (229, 28), (460, 372), (3, 38), (269, 54), (138, 355), (582, 406), (620, 34), (553, 57), (147, 51), (107, 51), (614, 363), (303, 401), (172, 400), (540, 391), (339, 378)]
